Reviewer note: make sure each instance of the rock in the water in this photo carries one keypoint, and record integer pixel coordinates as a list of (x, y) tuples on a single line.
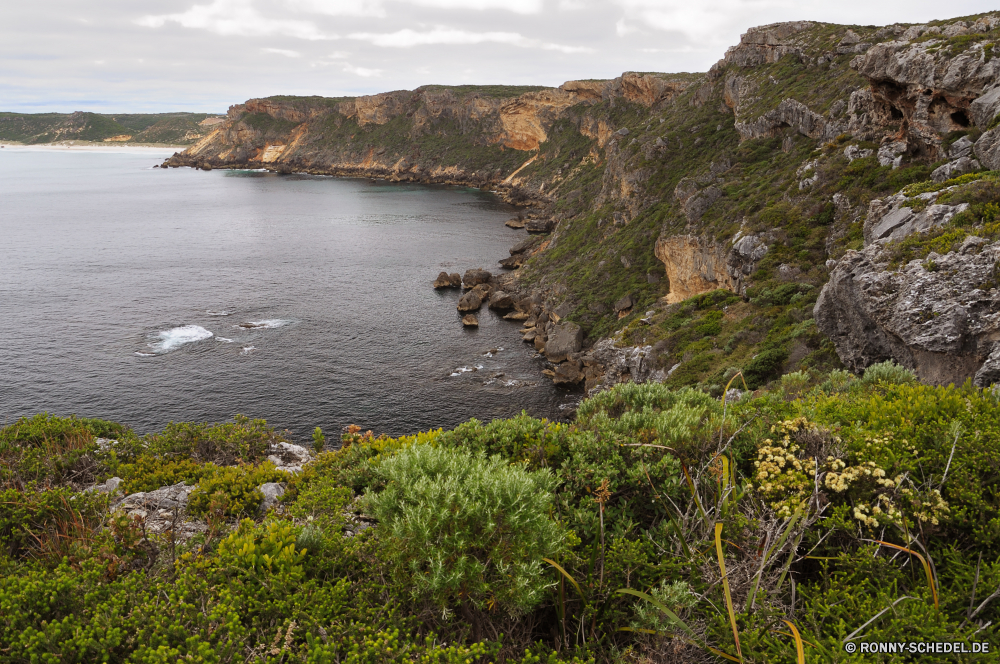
[(512, 262), (567, 373), (954, 168), (272, 492), (517, 315), (445, 280), (471, 301), (288, 457), (624, 303), (470, 320), (516, 222), (565, 338), (501, 300), (988, 149), (475, 277), (935, 317)]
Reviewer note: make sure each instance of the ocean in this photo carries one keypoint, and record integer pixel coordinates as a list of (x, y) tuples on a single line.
[(146, 296)]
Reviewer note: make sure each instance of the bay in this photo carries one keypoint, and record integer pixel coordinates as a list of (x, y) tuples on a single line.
[(146, 296)]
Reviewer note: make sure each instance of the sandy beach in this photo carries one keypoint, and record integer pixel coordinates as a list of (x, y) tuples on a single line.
[(85, 146)]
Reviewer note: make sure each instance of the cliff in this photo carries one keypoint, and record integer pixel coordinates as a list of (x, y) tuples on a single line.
[(693, 219)]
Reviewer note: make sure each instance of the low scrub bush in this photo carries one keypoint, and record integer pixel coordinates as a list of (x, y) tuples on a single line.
[(888, 372), (467, 529), (242, 441), (233, 491)]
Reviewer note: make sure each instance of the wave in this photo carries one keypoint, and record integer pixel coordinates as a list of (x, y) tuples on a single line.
[(268, 324), (176, 337), (219, 313), (224, 340)]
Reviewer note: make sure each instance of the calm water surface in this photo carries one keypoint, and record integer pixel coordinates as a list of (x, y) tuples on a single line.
[(146, 296)]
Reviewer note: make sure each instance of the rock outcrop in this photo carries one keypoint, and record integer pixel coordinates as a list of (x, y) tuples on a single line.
[(939, 317), (895, 217), (445, 280)]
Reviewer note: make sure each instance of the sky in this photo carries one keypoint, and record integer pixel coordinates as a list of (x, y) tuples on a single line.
[(205, 55)]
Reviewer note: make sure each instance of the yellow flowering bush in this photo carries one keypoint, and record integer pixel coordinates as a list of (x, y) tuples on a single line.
[(784, 479)]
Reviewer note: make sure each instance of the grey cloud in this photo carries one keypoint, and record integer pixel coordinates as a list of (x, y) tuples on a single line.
[(113, 55)]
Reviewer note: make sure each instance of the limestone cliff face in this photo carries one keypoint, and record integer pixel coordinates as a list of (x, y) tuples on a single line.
[(346, 137), (693, 266)]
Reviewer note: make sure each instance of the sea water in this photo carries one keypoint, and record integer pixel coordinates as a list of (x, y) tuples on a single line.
[(149, 295)]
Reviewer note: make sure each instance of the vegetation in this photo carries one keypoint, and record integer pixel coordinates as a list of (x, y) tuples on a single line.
[(855, 509), (37, 128)]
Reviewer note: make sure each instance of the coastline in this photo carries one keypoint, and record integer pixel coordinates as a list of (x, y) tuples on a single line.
[(89, 146)]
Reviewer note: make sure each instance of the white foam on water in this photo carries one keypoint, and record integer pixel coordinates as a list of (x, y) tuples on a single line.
[(224, 340), (268, 324), (141, 354), (219, 313), (461, 370), (248, 349), (176, 337)]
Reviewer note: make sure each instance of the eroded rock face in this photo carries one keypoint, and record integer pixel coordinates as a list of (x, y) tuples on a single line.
[(790, 113), (695, 265), (939, 317), (471, 301), (765, 44), (920, 87)]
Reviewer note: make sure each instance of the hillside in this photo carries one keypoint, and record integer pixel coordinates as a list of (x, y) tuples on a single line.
[(695, 218), (159, 128)]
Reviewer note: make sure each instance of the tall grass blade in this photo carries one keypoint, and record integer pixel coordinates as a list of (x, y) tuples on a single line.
[(725, 589), (767, 555), (663, 608), (923, 561), (694, 493), (800, 653), (567, 575)]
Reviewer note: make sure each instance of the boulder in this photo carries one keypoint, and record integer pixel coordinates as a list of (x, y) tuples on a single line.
[(470, 320), (539, 342), (985, 107), (501, 300), (445, 280), (853, 152), (512, 262), (288, 457), (988, 149), (524, 245), (961, 148), (937, 317), (894, 217), (163, 510), (475, 277), (567, 373), (272, 492), (624, 303), (516, 222), (565, 338), (539, 225), (891, 154), (471, 301), (517, 315), (954, 168), (109, 487)]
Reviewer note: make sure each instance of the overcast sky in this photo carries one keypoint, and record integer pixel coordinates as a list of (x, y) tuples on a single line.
[(203, 55)]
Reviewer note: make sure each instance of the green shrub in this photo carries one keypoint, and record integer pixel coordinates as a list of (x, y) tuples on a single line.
[(888, 372), (46, 522), (149, 473), (242, 441), (233, 490), (464, 527), (764, 367)]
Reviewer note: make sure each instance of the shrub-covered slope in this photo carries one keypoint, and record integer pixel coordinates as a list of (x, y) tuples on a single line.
[(656, 188), (41, 128), (661, 525)]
